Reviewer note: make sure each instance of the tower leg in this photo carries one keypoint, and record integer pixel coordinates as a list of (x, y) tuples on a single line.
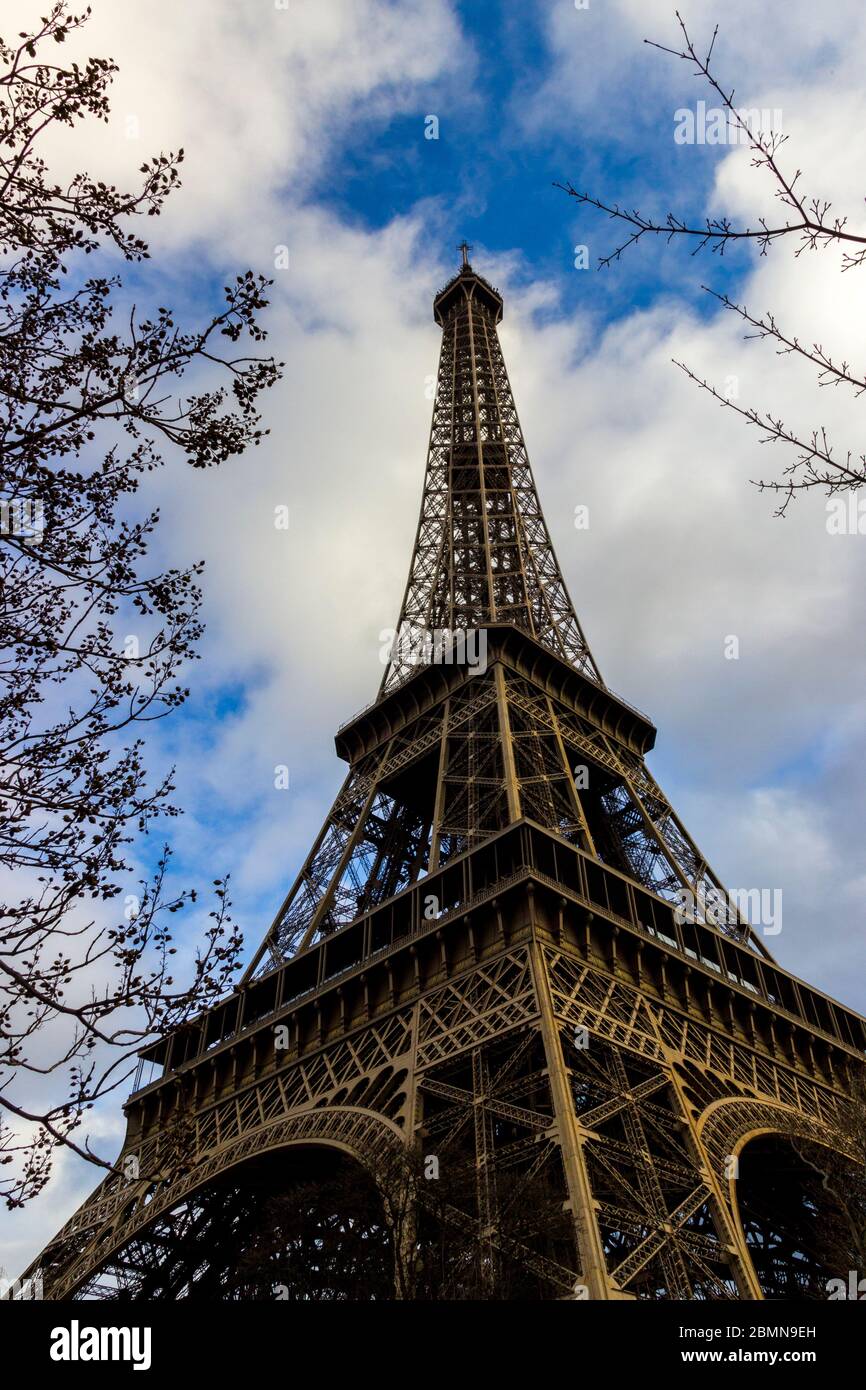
[(742, 1270), (587, 1235)]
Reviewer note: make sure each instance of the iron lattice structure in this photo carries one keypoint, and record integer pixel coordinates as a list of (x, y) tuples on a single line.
[(500, 1041)]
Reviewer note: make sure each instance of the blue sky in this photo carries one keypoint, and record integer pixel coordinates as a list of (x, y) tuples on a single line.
[(306, 128), (493, 172)]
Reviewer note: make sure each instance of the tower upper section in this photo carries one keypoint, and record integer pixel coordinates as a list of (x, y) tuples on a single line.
[(482, 554)]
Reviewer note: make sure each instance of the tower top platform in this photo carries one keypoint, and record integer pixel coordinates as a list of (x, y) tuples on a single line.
[(466, 285)]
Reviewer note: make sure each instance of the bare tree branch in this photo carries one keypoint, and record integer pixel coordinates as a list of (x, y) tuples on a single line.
[(93, 643), (810, 223)]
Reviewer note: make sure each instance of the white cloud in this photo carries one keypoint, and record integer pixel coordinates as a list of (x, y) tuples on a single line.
[(603, 73), (256, 96)]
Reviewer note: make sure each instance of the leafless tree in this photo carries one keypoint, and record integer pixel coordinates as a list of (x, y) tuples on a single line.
[(809, 225), (86, 406)]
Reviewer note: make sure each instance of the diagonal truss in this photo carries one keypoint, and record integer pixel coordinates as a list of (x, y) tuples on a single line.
[(496, 750), (482, 553)]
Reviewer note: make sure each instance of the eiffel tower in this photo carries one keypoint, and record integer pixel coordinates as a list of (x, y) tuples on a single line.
[(508, 1037)]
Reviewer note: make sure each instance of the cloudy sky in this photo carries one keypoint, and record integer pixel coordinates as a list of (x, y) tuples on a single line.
[(304, 127)]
